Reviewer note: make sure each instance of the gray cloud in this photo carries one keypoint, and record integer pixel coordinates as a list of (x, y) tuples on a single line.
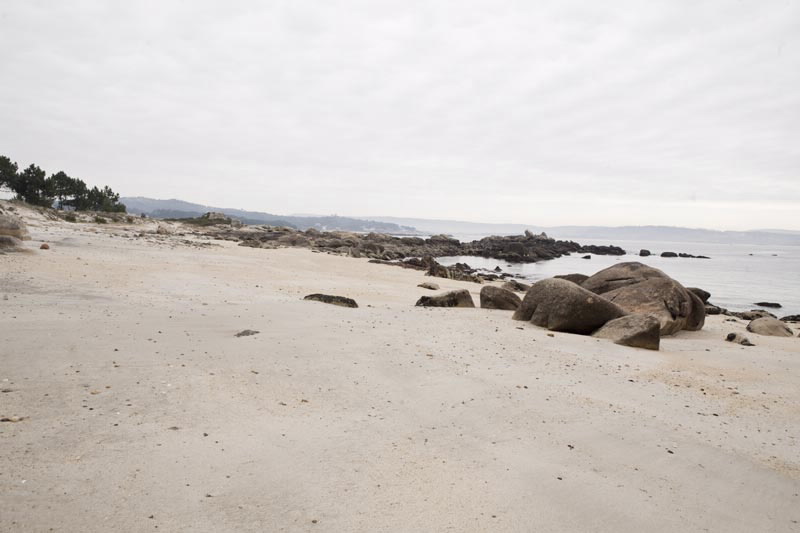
[(670, 112)]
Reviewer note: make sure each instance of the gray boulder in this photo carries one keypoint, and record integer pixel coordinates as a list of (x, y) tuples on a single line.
[(769, 326), (561, 305), (638, 331), (666, 300), (456, 298), (498, 298)]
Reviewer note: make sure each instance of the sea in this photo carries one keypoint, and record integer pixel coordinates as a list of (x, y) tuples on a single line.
[(736, 275)]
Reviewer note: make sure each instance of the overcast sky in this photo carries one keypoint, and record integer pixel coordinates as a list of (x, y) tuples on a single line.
[(604, 113)]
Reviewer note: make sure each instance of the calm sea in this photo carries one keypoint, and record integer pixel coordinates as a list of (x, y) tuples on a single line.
[(737, 275)]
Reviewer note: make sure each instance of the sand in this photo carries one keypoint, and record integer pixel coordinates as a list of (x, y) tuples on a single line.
[(142, 411)]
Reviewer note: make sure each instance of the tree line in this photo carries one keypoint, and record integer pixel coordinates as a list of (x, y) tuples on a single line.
[(32, 185)]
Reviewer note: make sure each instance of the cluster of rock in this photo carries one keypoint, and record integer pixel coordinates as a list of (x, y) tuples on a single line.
[(646, 253), (12, 232), (630, 303), (527, 248)]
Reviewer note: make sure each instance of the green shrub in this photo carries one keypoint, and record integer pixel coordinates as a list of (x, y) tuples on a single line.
[(69, 217), (100, 220)]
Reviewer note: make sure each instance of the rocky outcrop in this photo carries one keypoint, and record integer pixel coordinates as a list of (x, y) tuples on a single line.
[(498, 298), (752, 314), (527, 248), (769, 326), (636, 330), (341, 301), (791, 318), (561, 305), (457, 298), (638, 288), (700, 293), (771, 305), (13, 226)]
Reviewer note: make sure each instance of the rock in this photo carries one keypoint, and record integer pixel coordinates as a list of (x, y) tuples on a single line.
[(620, 275), (669, 254), (714, 310), (644, 253), (700, 293), (333, 300), (601, 250), (163, 229), (773, 305), (574, 278), (13, 226), (457, 298), (791, 318), (738, 339), (44, 246), (8, 243), (769, 326), (430, 286), (586, 257), (636, 330), (514, 285), (666, 300), (247, 333), (560, 305), (498, 298), (212, 215)]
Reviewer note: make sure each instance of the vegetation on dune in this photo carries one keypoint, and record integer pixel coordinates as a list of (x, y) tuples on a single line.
[(33, 186)]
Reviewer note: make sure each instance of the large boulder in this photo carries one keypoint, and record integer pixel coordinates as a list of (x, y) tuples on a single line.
[(561, 305), (638, 288), (666, 300), (498, 298), (12, 226), (700, 293), (769, 326), (456, 298), (636, 330), (620, 275)]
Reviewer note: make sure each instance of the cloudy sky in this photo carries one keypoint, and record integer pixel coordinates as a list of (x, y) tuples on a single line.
[(543, 112)]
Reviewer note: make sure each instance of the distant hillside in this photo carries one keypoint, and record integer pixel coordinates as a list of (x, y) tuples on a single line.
[(180, 209), (610, 234)]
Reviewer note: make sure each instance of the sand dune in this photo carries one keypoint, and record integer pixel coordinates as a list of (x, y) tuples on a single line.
[(141, 409)]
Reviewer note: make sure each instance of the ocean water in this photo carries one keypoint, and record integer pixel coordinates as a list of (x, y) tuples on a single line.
[(737, 275)]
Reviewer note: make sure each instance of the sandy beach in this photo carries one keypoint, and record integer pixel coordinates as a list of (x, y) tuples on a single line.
[(140, 410)]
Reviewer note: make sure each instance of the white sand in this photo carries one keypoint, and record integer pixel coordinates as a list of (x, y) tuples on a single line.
[(382, 418)]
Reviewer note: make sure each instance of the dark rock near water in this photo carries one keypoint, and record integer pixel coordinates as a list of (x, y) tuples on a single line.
[(601, 250), (669, 254), (341, 301), (772, 305), (636, 330), (586, 257), (498, 298), (791, 318), (644, 253), (700, 293), (561, 305), (752, 314), (457, 298)]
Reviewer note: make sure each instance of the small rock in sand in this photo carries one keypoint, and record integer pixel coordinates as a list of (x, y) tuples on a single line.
[(247, 333), (333, 300), (429, 285)]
